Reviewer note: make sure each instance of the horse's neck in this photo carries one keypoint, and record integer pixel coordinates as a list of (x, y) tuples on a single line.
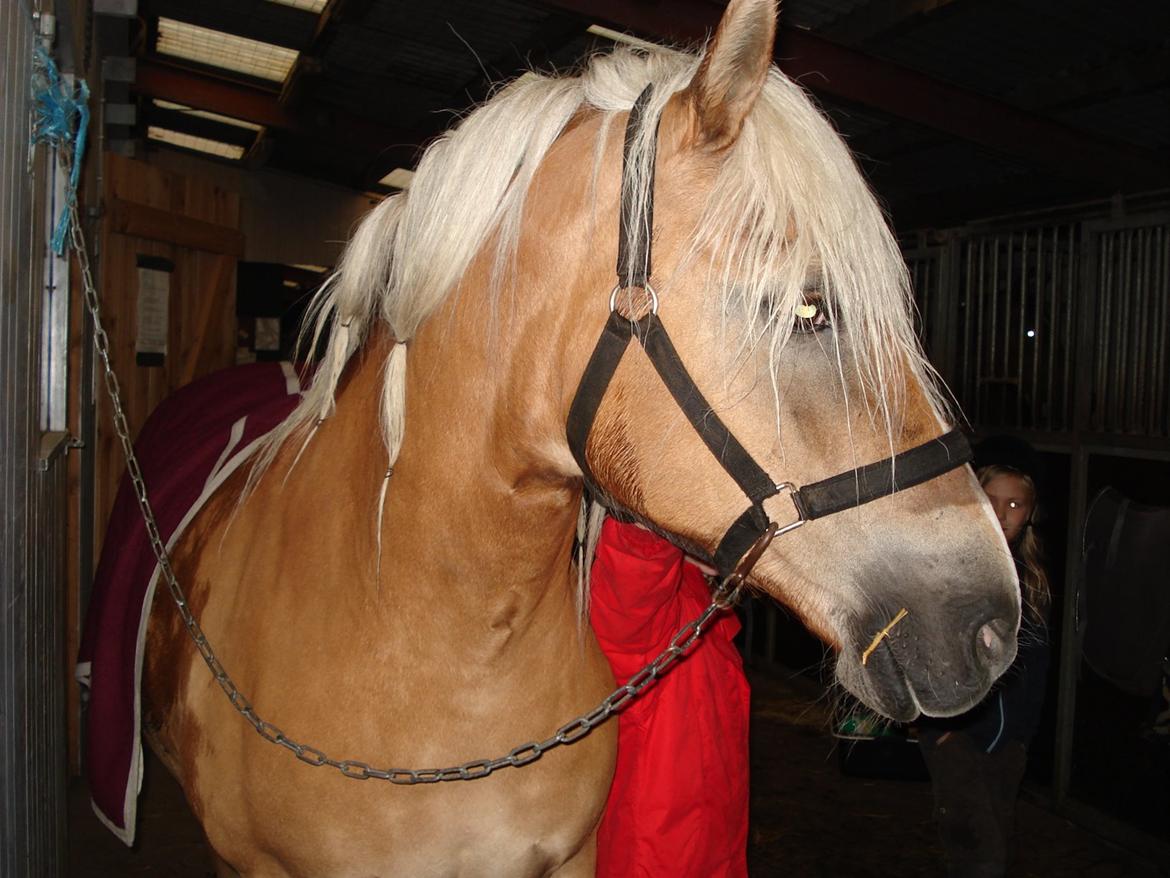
[(478, 509)]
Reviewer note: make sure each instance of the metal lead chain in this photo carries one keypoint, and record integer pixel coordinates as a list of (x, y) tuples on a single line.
[(724, 596)]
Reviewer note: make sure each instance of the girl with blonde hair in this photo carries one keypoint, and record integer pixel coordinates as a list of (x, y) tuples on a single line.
[(977, 760)]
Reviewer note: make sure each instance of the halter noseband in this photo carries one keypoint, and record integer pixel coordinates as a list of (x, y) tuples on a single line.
[(749, 534)]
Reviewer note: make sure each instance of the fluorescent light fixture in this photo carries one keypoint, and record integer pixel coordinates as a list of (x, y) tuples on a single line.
[(204, 114), (199, 144), (319, 269), (307, 5), (618, 37), (217, 49), (399, 178)]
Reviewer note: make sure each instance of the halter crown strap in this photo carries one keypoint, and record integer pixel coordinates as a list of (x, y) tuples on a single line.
[(636, 227)]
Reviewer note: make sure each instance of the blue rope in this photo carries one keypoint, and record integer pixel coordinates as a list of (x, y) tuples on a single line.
[(60, 119)]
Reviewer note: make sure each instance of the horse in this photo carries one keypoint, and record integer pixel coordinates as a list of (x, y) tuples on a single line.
[(394, 581)]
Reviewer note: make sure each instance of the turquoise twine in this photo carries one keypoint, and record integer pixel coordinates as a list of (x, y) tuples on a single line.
[(60, 117)]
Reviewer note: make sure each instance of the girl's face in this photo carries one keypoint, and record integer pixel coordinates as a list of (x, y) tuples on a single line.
[(1012, 500)]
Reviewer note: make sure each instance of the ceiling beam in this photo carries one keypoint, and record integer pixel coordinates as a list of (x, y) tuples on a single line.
[(1049, 146), (337, 13), (533, 54), (203, 92), (1124, 73), (305, 71), (849, 75), (258, 20), (310, 64), (880, 18), (198, 126), (260, 151)]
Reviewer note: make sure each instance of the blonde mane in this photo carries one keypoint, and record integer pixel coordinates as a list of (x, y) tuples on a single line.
[(789, 209)]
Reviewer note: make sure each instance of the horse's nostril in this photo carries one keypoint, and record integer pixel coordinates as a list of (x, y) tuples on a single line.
[(993, 640), (988, 635)]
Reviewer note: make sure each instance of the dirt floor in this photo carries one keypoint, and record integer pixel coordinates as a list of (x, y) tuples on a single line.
[(808, 818)]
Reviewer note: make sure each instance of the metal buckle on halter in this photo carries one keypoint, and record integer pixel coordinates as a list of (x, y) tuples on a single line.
[(728, 591), (649, 290), (727, 594), (794, 493)]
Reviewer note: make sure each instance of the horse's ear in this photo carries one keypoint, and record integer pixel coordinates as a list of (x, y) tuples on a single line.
[(733, 71)]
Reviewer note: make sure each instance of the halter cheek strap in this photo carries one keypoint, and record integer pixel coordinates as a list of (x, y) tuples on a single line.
[(753, 529)]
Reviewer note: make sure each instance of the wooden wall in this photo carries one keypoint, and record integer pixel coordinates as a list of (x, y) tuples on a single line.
[(286, 219), (195, 225)]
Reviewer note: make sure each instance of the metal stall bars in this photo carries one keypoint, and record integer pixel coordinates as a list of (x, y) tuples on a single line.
[(1015, 309), (32, 496), (931, 265), (1127, 302)]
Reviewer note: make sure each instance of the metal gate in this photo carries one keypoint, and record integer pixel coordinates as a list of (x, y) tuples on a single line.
[(1055, 329), (32, 499), (1127, 322), (1014, 301)]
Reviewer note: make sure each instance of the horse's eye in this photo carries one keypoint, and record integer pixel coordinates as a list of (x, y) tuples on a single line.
[(810, 315)]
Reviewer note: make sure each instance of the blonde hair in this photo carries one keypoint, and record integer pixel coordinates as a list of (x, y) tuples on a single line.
[(1028, 549)]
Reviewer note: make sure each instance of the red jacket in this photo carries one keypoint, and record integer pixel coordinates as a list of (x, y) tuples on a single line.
[(678, 806)]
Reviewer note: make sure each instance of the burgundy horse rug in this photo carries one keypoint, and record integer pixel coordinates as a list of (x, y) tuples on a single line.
[(188, 447)]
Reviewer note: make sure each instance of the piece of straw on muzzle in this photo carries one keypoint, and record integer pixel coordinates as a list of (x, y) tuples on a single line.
[(881, 635)]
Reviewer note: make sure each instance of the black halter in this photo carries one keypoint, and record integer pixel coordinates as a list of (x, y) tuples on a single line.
[(843, 491)]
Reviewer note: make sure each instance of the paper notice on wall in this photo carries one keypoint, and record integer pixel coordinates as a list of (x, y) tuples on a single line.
[(154, 293)]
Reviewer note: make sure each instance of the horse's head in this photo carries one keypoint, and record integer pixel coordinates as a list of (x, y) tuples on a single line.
[(786, 298)]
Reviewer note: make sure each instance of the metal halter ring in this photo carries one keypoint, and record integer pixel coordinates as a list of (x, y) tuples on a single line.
[(791, 490), (647, 288)]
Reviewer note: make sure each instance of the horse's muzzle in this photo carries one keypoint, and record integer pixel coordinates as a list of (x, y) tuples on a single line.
[(940, 662)]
